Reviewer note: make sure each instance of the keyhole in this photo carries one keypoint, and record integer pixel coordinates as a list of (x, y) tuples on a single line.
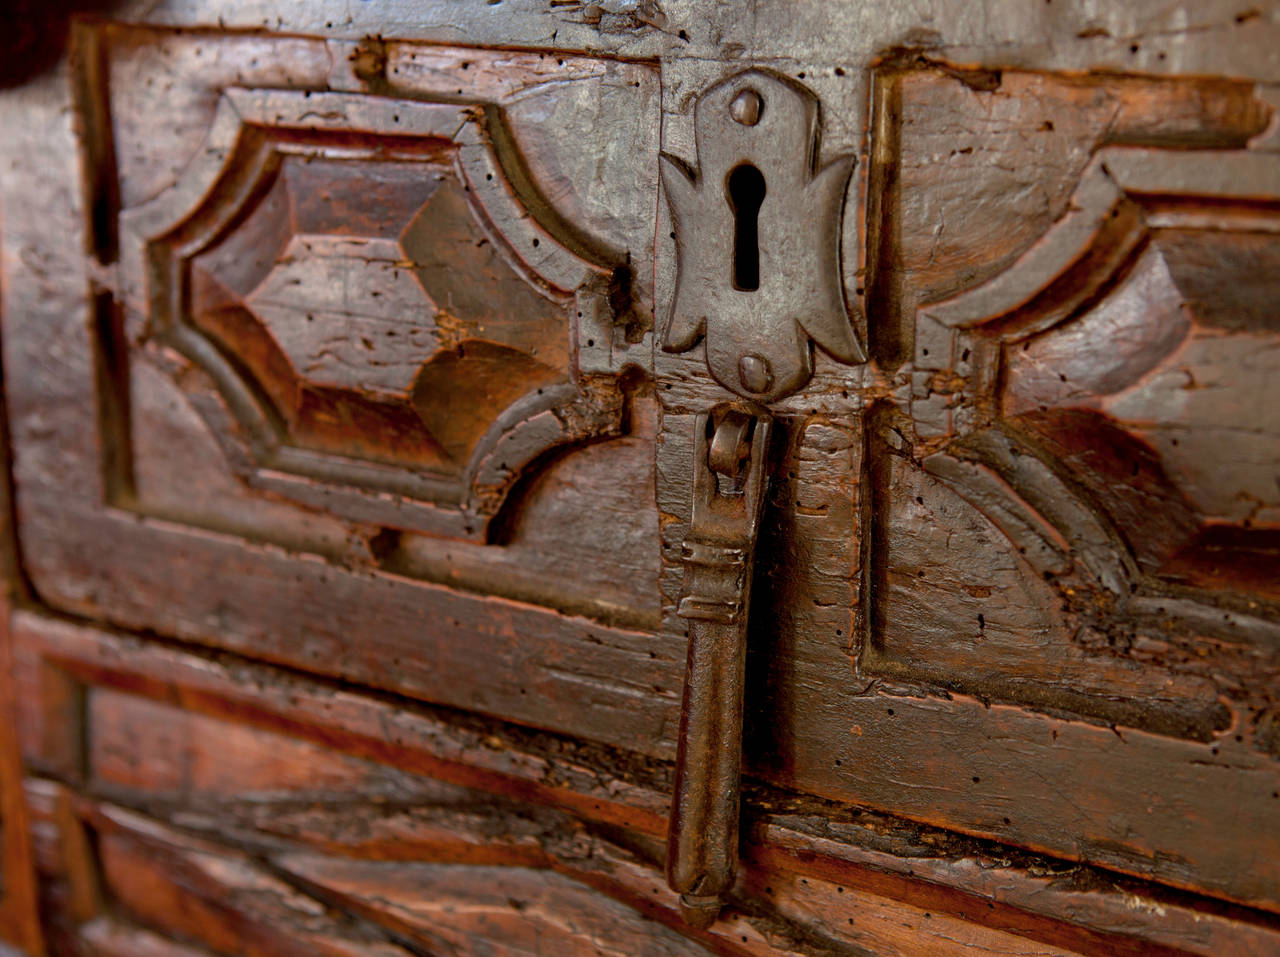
[(746, 195)]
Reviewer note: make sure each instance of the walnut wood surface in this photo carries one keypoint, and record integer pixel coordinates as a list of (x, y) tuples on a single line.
[(351, 478), (18, 918), (224, 776)]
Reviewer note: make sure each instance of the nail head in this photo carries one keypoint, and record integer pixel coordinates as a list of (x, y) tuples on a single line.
[(746, 108), (754, 374)]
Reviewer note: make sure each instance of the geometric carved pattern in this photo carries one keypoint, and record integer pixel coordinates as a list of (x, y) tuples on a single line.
[(1108, 403), (379, 311), (363, 307), (139, 589), (1128, 377)]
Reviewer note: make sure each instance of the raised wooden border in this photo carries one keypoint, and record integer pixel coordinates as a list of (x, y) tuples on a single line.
[(876, 860)]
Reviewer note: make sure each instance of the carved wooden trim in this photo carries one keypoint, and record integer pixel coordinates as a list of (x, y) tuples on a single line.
[(988, 447), (841, 877), (1124, 195), (240, 157), (1107, 219)]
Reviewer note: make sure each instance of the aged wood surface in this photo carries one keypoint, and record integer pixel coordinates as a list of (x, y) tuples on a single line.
[(293, 787), (18, 917), (352, 420)]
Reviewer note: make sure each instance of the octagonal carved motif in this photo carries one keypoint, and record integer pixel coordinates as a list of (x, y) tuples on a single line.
[(380, 311)]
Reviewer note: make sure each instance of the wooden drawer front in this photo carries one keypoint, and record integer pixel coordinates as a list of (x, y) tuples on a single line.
[(1017, 575), (241, 810), (346, 356), (356, 396)]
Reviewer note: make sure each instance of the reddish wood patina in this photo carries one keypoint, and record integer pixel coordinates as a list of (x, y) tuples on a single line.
[(352, 462)]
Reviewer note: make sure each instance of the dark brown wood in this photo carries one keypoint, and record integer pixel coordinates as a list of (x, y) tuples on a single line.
[(355, 356), (19, 916), (19, 924), (265, 764)]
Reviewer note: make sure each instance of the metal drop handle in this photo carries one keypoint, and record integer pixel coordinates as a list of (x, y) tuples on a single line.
[(728, 493)]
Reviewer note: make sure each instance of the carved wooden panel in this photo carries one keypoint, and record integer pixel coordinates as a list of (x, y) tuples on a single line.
[(338, 361), (489, 430), (1018, 424), (1122, 484), (366, 298), (1025, 560)]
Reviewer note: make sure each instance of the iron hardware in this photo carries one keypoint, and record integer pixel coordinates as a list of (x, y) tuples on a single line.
[(728, 493), (757, 229)]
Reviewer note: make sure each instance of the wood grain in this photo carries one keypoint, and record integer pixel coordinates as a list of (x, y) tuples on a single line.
[(18, 916), (340, 789), (351, 482)]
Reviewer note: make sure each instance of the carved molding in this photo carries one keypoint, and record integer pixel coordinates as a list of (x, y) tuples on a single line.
[(1143, 223), (383, 326)]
